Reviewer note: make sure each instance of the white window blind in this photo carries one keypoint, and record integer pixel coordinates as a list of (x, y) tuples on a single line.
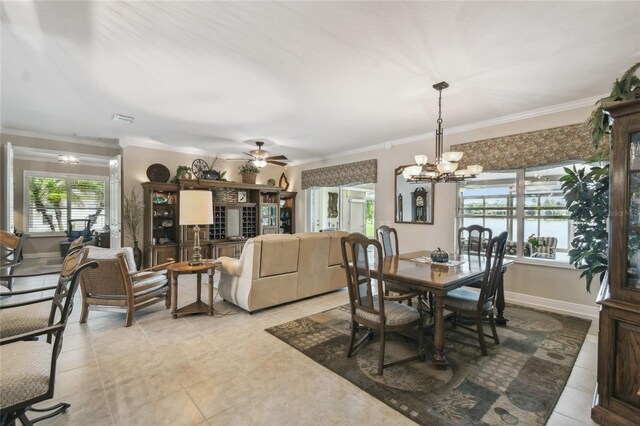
[(54, 199)]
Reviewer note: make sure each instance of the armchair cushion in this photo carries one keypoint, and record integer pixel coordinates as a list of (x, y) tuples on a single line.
[(25, 371), (98, 253)]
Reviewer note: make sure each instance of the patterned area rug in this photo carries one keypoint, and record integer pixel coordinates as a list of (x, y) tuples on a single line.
[(518, 383)]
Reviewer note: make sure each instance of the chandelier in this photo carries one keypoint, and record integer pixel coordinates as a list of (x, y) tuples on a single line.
[(445, 167)]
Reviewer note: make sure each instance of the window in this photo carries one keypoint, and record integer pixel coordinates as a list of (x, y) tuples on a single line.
[(52, 199), (503, 201), (348, 207)]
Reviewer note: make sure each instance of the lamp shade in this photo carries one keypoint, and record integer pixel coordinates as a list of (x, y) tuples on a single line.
[(196, 208)]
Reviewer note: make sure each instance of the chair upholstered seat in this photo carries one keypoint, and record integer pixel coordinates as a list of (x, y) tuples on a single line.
[(462, 298), (395, 313), (23, 319), (25, 371)]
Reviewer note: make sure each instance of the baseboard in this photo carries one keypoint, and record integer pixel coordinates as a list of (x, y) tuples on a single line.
[(41, 255), (575, 309)]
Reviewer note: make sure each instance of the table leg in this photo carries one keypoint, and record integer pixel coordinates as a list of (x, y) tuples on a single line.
[(439, 360), (500, 303), (212, 271), (173, 279), (199, 288)]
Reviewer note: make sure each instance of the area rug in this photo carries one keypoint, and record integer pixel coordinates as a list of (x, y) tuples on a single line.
[(518, 383)]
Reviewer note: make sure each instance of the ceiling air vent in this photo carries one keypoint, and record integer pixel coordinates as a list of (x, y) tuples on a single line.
[(122, 117)]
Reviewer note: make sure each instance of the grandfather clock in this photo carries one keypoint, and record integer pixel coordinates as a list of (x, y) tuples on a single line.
[(419, 205)]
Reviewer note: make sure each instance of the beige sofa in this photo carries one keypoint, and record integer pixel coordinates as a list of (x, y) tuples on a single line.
[(275, 269)]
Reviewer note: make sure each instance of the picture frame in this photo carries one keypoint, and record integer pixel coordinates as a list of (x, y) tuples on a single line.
[(242, 196)]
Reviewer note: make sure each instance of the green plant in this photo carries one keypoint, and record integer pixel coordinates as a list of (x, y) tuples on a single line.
[(625, 88), (221, 175), (248, 167), (179, 171), (586, 194), (132, 214)]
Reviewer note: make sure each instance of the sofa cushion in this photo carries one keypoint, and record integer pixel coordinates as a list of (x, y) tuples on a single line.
[(278, 254), (312, 263)]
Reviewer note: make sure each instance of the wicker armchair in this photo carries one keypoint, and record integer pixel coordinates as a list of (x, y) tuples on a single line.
[(10, 256), (116, 285)]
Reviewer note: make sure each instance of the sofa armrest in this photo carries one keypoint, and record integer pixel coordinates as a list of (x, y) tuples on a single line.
[(230, 265)]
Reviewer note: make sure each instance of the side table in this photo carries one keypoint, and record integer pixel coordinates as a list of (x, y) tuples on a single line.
[(177, 269)]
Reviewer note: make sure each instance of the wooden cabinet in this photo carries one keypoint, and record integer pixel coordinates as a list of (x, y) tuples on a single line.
[(617, 400), (288, 212), (240, 211), (160, 231)]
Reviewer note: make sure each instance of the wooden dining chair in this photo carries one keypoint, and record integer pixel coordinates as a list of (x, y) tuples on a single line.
[(11, 246), (472, 241), (369, 306), (479, 305), (388, 238)]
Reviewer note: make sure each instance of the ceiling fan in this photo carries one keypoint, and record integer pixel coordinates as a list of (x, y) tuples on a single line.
[(261, 157)]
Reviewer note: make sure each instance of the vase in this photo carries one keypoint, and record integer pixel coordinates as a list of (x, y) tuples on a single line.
[(249, 177), (137, 255)]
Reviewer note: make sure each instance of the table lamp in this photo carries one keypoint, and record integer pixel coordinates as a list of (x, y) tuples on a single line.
[(196, 208)]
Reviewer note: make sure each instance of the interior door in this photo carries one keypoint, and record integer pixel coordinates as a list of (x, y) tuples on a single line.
[(115, 173), (357, 215)]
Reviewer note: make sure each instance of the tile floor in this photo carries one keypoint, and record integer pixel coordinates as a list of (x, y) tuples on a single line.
[(226, 369)]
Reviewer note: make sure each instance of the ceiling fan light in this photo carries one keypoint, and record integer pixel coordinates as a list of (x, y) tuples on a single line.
[(452, 156), (421, 159), (259, 162)]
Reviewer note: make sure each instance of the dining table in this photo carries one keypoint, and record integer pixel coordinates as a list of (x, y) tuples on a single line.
[(416, 271)]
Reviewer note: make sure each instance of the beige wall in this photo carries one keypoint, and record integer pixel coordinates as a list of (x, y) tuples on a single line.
[(45, 244), (547, 282)]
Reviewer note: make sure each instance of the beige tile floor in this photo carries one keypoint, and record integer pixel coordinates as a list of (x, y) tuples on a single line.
[(226, 369)]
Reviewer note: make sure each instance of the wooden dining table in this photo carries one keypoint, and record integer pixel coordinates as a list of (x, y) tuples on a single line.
[(439, 279)]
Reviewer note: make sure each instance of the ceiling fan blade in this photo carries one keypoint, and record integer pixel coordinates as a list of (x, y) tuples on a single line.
[(250, 155), (277, 157), (277, 163)]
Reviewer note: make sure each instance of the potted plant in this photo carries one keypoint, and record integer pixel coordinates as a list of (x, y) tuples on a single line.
[(249, 172), (132, 216)]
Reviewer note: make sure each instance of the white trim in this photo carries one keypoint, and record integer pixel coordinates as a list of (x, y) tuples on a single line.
[(55, 161), (559, 306), (150, 144), (544, 262), (69, 139), (40, 255)]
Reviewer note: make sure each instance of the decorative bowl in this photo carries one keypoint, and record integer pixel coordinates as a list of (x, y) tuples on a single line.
[(159, 200)]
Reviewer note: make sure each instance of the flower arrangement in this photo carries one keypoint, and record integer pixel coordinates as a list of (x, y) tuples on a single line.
[(248, 167)]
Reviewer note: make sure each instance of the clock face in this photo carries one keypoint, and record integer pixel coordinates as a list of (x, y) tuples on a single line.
[(242, 196), (419, 201)]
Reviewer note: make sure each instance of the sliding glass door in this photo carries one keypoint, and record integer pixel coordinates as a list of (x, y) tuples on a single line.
[(348, 207)]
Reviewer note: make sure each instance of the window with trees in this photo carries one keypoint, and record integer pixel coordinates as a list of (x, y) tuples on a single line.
[(526, 203), (51, 200)]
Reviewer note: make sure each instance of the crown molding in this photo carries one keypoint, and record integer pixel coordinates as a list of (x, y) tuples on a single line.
[(58, 138), (151, 144)]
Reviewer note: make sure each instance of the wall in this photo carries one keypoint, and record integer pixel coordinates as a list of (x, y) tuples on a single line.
[(47, 245), (557, 283)]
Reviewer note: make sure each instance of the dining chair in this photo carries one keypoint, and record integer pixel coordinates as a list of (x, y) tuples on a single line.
[(472, 241), (475, 305), (369, 306), (28, 368), (388, 238)]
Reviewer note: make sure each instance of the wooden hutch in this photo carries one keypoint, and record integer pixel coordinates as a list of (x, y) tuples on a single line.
[(617, 399), (240, 211)]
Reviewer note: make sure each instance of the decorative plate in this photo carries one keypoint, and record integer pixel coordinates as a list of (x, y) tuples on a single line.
[(271, 182), (159, 200), (158, 173), (210, 174)]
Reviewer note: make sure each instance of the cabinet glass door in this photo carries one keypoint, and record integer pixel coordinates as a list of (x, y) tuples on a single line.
[(633, 213)]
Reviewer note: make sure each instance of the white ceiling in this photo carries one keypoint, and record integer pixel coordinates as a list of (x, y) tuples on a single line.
[(312, 79)]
